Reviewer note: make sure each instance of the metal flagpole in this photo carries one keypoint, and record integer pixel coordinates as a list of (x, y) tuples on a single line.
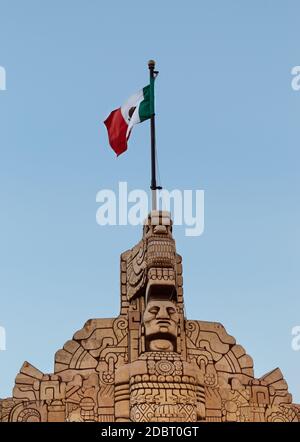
[(153, 187)]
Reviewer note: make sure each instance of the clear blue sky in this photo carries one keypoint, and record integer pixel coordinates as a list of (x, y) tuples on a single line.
[(227, 123)]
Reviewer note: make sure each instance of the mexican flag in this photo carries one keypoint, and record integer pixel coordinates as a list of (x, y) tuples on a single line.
[(139, 107)]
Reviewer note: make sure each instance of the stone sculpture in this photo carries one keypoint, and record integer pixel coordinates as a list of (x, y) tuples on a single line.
[(150, 364)]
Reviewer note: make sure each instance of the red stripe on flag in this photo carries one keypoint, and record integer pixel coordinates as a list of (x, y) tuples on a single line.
[(117, 128)]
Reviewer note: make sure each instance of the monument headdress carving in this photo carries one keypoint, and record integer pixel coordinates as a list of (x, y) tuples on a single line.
[(150, 363)]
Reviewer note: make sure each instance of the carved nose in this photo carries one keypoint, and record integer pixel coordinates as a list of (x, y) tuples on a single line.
[(163, 313)]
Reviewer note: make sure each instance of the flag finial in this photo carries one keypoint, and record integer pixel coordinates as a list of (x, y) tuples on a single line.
[(151, 64)]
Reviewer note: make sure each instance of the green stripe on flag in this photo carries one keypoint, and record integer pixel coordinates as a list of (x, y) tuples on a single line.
[(145, 107)]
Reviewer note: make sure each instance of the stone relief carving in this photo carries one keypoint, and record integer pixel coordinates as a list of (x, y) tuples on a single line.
[(150, 364)]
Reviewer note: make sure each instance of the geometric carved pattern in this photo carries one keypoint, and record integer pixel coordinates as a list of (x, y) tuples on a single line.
[(150, 364), (163, 413)]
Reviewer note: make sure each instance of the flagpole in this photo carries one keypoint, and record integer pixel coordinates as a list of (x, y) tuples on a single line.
[(153, 187)]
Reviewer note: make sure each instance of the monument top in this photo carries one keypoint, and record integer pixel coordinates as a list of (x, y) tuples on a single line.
[(150, 363)]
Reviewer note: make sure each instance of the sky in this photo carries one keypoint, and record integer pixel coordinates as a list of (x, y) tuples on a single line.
[(227, 123)]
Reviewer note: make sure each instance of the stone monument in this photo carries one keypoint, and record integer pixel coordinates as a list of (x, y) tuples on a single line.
[(150, 364)]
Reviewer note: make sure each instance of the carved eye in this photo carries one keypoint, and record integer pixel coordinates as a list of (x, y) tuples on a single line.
[(153, 310), (171, 310)]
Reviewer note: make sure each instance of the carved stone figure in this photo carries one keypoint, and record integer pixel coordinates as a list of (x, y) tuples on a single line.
[(150, 363), (160, 385)]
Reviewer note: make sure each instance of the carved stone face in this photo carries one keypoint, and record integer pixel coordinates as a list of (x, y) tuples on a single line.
[(161, 319)]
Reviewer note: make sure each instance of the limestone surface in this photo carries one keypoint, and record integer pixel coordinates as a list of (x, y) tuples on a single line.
[(150, 364)]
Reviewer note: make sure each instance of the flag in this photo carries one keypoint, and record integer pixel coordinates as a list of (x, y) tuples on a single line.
[(120, 122)]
